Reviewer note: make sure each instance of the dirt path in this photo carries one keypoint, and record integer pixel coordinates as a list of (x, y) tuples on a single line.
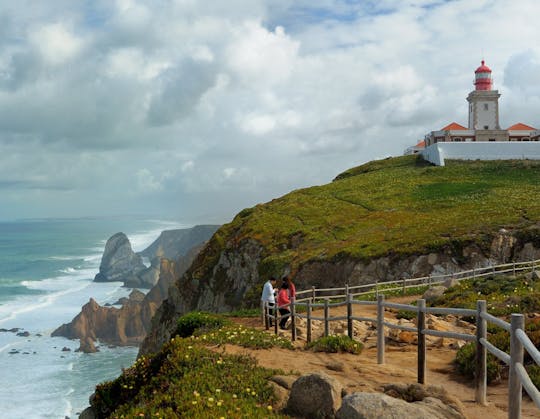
[(362, 373)]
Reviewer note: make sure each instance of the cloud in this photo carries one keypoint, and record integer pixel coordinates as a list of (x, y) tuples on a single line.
[(203, 108)]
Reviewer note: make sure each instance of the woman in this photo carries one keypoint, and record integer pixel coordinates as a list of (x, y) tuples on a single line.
[(283, 302)]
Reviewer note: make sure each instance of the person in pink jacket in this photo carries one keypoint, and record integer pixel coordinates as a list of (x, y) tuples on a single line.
[(283, 302)]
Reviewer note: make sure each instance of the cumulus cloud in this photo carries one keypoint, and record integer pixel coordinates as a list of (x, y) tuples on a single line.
[(203, 108)]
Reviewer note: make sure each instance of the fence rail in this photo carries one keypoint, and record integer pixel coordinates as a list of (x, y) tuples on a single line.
[(519, 341)]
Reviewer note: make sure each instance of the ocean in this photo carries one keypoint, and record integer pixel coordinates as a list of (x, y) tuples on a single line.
[(46, 275)]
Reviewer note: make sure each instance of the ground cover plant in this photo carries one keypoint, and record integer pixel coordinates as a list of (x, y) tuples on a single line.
[(241, 336), (187, 379), (335, 344)]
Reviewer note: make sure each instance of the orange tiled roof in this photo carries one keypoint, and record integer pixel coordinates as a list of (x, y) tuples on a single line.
[(421, 144), (520, 127), (453, 126)]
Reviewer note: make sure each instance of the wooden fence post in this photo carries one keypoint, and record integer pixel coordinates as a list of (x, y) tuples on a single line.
[(481, 354), (473, 273), (308, 321), (421, 325), (533, 267), (380, 329), (377, 287), (326, 330), (266, 314), (349, 316), (403, 287), (514, 269), (516, 356), (293, 321), (313, 294), (276, 312)]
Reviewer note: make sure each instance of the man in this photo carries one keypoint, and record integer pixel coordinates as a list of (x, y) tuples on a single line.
[(268, 298)]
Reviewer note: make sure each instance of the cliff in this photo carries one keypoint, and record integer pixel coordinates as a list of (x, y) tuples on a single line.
[(172, 244), (385, 220)]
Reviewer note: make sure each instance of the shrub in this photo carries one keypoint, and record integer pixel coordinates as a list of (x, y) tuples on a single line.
[(534, 374), (406, 314), (335, 344), (466, 363), (189, 323)]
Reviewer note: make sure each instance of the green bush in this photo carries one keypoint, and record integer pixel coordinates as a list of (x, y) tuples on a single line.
[(406, 314), (189, 323), (335, 344), (534, 374), (466, 363)]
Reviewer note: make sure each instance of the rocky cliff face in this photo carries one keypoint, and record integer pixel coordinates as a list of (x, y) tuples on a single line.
[(129, 324), (233, 279), (172, 244), (119, 262)]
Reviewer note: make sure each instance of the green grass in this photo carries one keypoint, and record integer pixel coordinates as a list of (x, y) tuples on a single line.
[(397, 206)]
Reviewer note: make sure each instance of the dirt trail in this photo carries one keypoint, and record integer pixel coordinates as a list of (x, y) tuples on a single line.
[(362, 373)]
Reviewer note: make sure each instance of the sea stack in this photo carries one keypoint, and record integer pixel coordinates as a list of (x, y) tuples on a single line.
[(119, 261)]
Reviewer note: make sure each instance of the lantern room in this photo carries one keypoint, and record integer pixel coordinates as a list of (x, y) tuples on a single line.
[(482, 77)]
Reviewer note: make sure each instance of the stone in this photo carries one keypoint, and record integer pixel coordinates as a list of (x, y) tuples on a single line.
[(450, 282), (87, 413), (382, 406), (535, 275), (23, 334), (433, 293), (66, 349), (315, 395), (87, 346)]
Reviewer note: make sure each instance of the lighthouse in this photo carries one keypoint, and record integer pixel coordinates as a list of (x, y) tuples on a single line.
[(484, 103)]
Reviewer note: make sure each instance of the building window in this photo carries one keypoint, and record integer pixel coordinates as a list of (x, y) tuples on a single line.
[(457, 139), (524, 138), (492, 139), (486, 126), (486, 106)]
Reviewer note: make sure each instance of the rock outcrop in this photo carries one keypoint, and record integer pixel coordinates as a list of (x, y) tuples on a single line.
[(224, 277), (129, 324), (119, 261), (381, 406), (171, 244)]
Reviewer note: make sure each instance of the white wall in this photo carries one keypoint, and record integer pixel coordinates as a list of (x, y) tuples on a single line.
[(437, 153)]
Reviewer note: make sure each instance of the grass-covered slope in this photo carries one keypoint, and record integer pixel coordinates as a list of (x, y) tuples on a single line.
[(398, 205)]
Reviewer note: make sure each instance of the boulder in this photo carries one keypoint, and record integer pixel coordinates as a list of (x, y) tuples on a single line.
[(433, 293), (450, 282), (315, 395), (382, 406), (119, 261)]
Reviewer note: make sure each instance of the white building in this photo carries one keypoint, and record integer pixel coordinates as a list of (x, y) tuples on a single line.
[(483, 129)]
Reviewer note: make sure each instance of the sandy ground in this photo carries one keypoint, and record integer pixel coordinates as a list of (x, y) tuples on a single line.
[(362, 373)]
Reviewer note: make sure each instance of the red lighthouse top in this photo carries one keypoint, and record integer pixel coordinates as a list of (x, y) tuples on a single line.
[(482, 79)]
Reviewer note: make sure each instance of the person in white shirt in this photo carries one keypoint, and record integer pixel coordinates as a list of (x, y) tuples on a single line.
[(268, 297)]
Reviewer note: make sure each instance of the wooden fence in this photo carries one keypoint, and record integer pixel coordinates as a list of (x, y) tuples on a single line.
[(519, 341), (405, 283)]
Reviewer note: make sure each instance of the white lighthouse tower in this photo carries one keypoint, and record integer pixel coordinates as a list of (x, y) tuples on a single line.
[(484, 107)]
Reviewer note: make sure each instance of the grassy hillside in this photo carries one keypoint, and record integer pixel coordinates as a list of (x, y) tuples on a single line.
[(398, 205)]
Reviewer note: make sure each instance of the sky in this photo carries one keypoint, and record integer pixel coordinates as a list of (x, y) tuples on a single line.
[(194, 110)]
